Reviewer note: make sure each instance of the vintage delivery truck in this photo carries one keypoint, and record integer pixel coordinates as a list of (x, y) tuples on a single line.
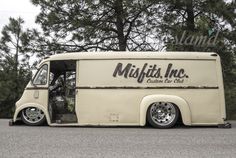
[(125, 89)]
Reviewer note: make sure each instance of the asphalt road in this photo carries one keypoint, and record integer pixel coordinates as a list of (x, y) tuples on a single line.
[(64, 142)]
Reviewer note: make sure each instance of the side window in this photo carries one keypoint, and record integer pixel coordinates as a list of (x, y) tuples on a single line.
[(41, 76)]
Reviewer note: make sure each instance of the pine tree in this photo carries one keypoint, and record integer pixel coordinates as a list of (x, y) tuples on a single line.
[(139, 25), (14, 65), (88, 25), (204, 18)]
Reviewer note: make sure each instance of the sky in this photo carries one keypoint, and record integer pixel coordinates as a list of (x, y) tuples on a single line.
[(16, 8)]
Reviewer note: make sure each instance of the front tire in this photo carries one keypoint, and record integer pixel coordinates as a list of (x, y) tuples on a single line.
[(33, 116), (162, 114)]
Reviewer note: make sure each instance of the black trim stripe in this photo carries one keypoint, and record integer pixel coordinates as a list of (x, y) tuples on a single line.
[(36, 88), (146, 59), (131, 87), (161, 87)]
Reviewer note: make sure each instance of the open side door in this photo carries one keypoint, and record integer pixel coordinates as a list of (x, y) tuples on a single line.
[(62, 91)]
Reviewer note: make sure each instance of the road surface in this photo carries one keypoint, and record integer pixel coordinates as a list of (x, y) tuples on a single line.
[(73, 142)]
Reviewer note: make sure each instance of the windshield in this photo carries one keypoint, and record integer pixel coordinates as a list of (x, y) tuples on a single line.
[(41, 76)]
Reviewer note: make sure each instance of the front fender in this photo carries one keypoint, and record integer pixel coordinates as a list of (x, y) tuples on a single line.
[(18, 110), (178, 101)]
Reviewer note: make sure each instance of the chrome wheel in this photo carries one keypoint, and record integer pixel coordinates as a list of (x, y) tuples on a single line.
[(33, 116), (163, 114)]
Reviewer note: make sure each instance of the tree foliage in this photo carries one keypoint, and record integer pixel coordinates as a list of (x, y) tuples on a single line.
[(139, 25), (14, 66), (205, 18), (87, 25)]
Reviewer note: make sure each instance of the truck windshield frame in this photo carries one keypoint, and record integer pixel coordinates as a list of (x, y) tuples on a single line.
[(39, 74)]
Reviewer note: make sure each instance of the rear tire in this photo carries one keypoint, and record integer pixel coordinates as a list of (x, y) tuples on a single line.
[(162, 114), (33, 116)]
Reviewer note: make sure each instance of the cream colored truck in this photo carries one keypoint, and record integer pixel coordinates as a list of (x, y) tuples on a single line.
[(125, 89)]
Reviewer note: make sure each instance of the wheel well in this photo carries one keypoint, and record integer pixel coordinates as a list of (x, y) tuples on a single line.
[(45, 117), (19, 113), (180, 121)]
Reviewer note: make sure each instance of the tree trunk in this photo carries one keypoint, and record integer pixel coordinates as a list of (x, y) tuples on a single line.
[(190, 15), (16, 59), (118, 6)]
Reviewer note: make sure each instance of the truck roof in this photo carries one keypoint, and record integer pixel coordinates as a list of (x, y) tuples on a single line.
[(133, 55)]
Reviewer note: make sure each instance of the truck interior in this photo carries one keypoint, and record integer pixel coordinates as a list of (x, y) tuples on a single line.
[(62, 91)]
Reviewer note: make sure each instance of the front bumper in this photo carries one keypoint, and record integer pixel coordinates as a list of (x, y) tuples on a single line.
[(11, 123)]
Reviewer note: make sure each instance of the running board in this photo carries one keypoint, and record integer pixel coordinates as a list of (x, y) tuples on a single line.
[(66, 118), (64, 125)]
